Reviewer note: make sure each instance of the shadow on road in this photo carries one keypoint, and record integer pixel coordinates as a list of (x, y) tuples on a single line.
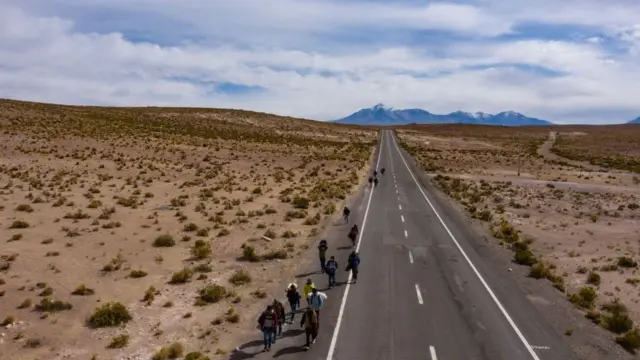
[(289, 350)]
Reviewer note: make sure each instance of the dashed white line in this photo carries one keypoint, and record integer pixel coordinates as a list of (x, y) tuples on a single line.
[(410, 257), (402, 218), (432, 350), (336, 331), (419, 295), (399, 206), (473, 267), (406, 234)]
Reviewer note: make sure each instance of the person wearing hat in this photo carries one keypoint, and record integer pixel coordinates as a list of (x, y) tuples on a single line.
[(308, 287)]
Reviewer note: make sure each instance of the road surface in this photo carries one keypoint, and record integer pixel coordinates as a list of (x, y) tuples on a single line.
[(422, 293)]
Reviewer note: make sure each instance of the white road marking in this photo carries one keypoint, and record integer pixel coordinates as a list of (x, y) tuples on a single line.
[(410, 257), (419, 295), (541, 347), (399, 206), (432, 350), (336, 331), (405, 234), (402, 217), (484, 283), (397, 191)]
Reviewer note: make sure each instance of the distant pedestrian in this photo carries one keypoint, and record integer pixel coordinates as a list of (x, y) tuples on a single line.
[(310, 324), (370, 181), (353, 234), (322, 254), (345, 214), (294, 300), (280, 312), (306, 290), (268, 322), (316, 302), (352, 265), (330, 268)]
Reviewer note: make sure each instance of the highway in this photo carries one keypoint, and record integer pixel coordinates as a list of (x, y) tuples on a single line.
[(422, 292)]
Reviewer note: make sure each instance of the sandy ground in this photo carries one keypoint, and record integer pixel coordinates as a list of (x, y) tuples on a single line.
[(87, 195), (576, 225)]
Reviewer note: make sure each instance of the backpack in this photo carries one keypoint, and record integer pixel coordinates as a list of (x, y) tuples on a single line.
[(331, 266)]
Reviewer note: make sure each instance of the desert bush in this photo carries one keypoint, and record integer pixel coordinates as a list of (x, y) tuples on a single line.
[(83, 291), (19, 224), (212, 294), (119, 342), (109, 315), (593, 278), (165, 240), (585, 298), (630, 341), (174, 351), (49, 305), (240, 277), (201, 250), (181, 277), (136, 274)]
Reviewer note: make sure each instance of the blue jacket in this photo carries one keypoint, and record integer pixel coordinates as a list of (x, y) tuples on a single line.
[(316, 301)]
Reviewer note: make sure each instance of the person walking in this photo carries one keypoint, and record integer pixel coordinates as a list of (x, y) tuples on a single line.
[(294, 300), (330, 268), (322, 254), (281, 314), (353, 264), (316, 302), (306, 290), (353, 234), (310, 324), (345, 214), (268, 323)]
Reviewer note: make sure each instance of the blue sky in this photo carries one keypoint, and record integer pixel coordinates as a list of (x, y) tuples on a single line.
[(570, 61)]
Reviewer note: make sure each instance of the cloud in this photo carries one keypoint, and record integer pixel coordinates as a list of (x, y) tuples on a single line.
[(324, 59)]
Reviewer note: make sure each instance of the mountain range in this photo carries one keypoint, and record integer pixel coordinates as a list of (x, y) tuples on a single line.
[(383, 115)]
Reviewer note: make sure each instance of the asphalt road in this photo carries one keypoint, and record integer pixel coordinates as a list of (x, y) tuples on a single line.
[(422, 293)]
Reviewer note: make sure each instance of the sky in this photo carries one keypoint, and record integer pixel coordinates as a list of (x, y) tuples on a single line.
[(569, 61)]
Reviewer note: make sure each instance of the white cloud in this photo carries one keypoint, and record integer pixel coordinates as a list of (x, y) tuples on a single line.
[(47, 58)]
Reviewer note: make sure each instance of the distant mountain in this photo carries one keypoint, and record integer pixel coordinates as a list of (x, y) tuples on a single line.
[(635, 121), (382, 115)]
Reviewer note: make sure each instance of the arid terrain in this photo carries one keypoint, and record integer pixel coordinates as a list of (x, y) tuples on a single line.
[(566, 203), (138, 233)]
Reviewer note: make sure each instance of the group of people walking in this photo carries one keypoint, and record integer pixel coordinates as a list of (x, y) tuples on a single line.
[(274, 316)]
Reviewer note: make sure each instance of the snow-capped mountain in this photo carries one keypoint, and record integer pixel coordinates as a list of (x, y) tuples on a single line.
[(382, 115), (635, 121)]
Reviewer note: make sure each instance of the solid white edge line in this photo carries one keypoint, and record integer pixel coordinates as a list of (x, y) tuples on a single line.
[(336, 331), (475, 270), (419, 295), (432, 350), (410, 257)]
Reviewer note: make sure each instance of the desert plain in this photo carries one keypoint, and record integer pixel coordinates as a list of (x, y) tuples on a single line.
[(155, 233), (161, 233)]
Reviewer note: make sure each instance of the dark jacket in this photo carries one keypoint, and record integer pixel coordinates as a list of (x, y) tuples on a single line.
[(293, 296), (331, 266), (354, 261), (322, 250), (268, 319), (279, 309)]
